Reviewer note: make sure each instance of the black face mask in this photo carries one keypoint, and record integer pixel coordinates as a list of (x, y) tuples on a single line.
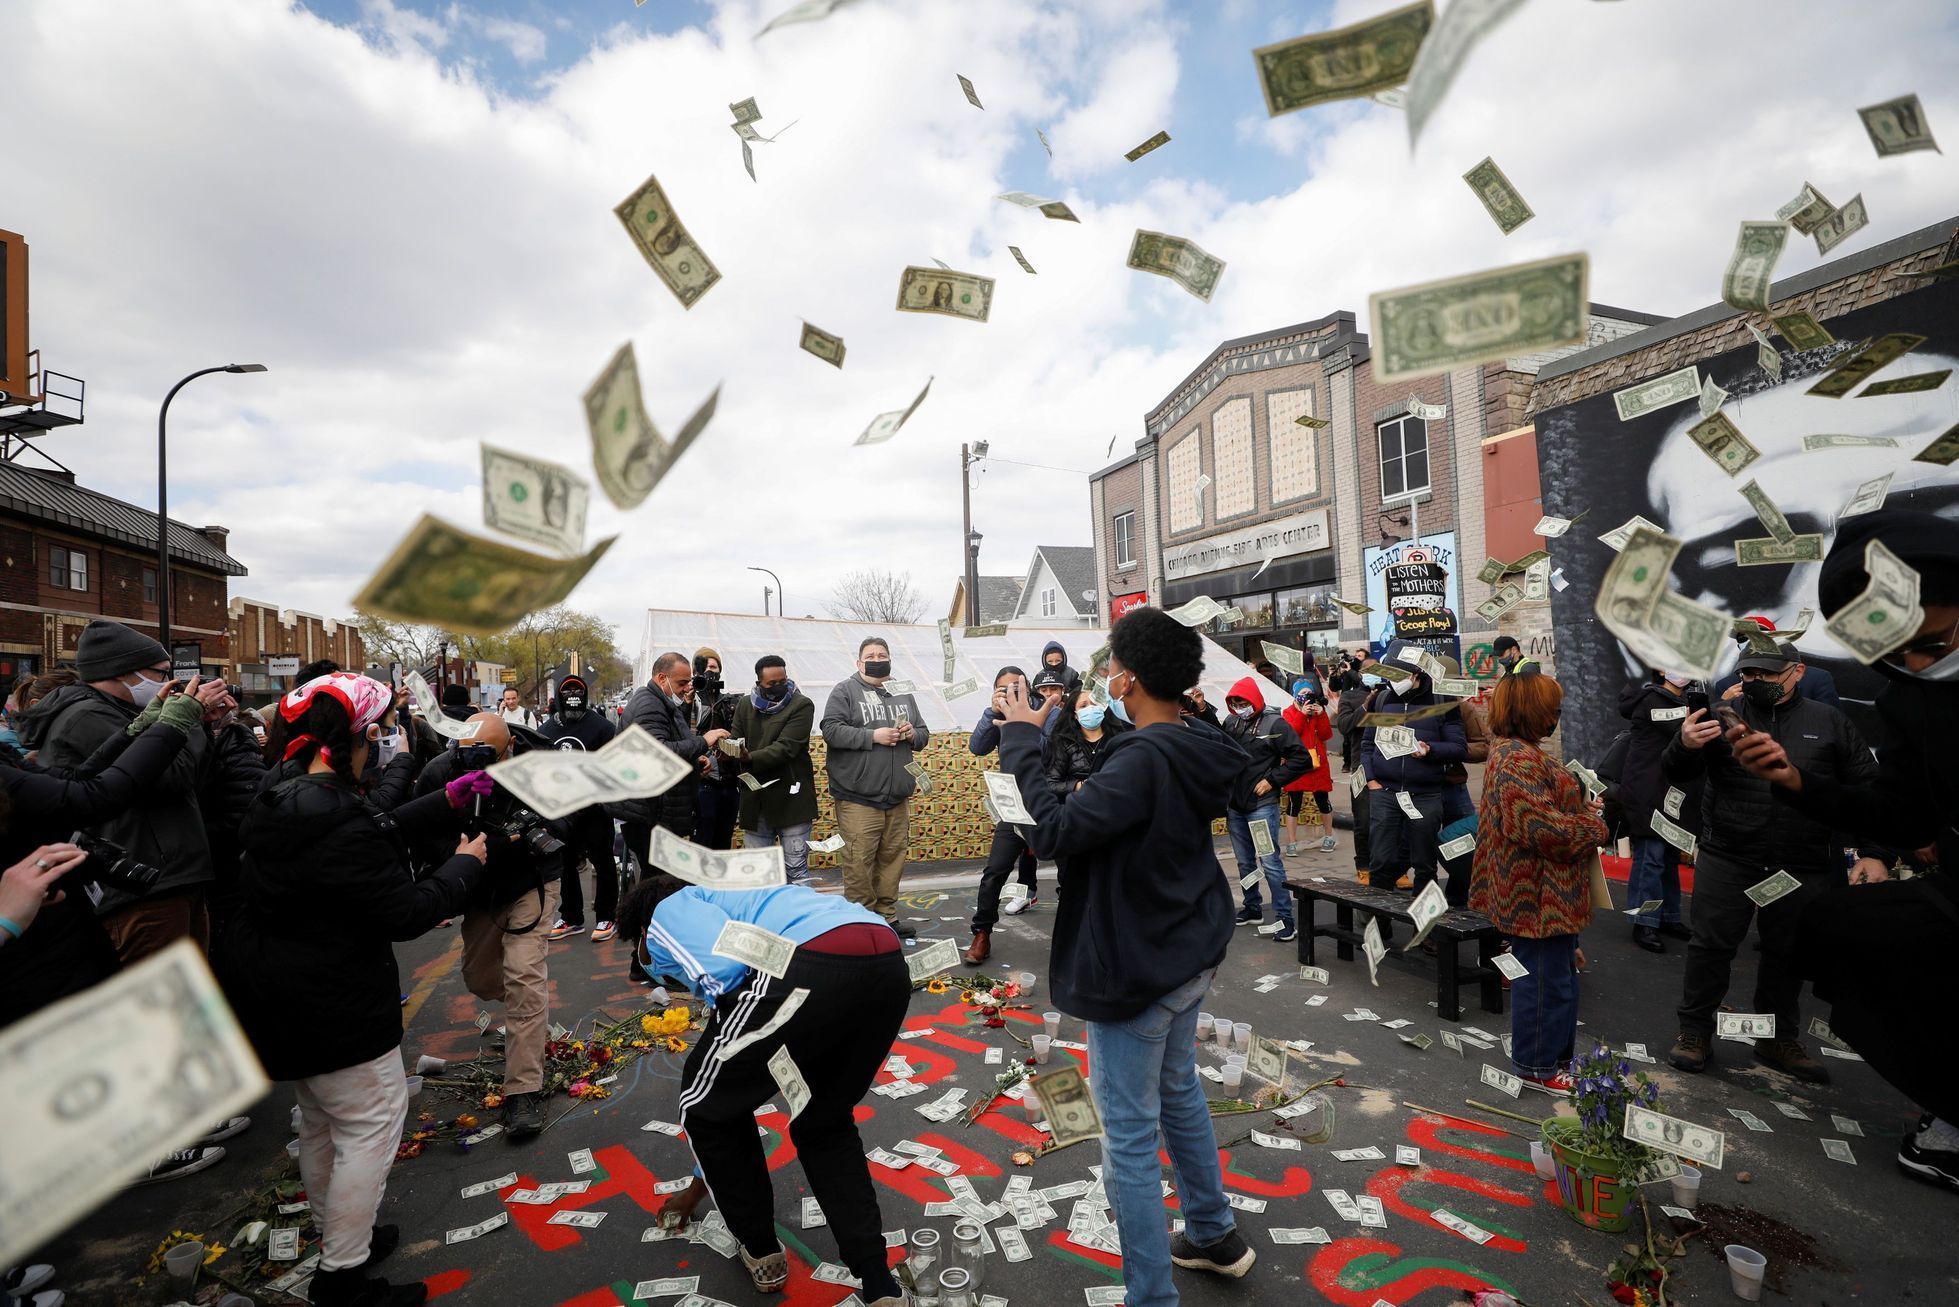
[(1763, 694), (574, 706), (877, 667), (774, 693)]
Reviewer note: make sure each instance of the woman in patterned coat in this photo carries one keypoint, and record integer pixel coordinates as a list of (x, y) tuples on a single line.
[(1536, 832)]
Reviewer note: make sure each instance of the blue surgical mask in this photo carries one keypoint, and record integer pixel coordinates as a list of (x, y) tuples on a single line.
[(1945, 669), (1091, 716), (1122, 713), (1369, 679)]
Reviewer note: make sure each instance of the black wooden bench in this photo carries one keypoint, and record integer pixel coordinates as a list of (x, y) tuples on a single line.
[(1455, 927)]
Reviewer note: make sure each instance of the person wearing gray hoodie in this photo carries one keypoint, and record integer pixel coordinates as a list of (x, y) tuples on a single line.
[(871, 735)]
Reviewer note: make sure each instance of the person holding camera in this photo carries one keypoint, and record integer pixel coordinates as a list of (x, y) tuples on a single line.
[(325, 890), (718, 800), (507, 922)]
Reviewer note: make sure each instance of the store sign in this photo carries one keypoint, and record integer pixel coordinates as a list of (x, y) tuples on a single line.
[(1121, 604), (282, 665), (1269, 542)]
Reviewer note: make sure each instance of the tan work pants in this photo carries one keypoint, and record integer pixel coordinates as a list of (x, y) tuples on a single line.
[(875, 841), (509, 969)]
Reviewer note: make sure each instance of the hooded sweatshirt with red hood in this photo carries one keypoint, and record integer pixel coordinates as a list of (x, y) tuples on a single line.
[(1276, 753)]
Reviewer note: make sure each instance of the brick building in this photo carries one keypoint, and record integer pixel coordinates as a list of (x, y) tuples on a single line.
[(260, 632)]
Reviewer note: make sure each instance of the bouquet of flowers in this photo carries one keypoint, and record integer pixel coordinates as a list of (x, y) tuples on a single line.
[(1015, 1073), (1603, 1086)]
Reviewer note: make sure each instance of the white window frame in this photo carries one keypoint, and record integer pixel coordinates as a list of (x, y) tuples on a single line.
[(1124, 532), (1049, 605), (1402, 425)]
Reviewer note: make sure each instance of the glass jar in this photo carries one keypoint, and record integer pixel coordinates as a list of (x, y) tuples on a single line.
[(925, 1257), (968, 1252), (955, 1287)]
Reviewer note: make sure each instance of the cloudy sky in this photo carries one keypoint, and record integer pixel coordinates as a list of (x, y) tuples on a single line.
[(404, 209)]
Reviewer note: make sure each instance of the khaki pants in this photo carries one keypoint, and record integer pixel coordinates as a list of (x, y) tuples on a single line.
[(509, 969), (874, 844), (146, 928)]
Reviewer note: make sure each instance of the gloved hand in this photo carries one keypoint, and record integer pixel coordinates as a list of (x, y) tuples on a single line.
[(147, 718), (469, 785), (181, 711)]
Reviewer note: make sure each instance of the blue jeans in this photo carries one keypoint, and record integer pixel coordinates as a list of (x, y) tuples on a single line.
[(1655, 874), (1146, 1084), (795, 846), (1544, 1005), (1240, 825)]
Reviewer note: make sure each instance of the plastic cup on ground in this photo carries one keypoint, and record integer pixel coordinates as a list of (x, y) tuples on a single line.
[(183, 1260), (414, 1088), (1241, 1036), (1746, 1267), (1043, 1049), (235, 1300), (1236, 1059), (1687, 1186), (1221, 1029), (1234, 1076), (1052, 1021), (1205, 1023), (426, 1064), (1026, 982), (1542, 1162), (292, 1149)]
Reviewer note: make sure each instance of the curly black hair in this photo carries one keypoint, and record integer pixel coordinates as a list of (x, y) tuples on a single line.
[(1160, 651), (636, 904)]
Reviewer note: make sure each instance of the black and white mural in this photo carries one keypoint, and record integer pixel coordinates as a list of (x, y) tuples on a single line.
[(1590, 461)]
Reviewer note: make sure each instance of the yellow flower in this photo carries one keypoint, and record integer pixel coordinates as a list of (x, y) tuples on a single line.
[(935, 987), (675, 1044)]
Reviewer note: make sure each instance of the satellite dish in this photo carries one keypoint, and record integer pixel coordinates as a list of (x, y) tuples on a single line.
[(1089, 595)]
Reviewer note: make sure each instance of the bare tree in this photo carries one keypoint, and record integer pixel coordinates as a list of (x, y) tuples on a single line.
[(873, 594)]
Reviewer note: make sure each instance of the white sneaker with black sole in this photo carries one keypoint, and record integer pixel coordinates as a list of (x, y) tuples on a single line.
[(1014, 907), (175, 1166)]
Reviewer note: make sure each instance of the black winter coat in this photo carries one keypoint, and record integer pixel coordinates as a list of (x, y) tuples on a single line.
[(65, 949), (1072, 757), (650, 710), (513, 870), (1642, 785), (1739, 818), (1275, 752), (308, 959), (234, 773)]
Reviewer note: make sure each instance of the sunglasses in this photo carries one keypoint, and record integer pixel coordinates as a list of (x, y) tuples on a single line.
[(1929, 646)]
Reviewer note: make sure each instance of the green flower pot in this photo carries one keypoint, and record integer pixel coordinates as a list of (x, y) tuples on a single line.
[(1595, 1193)]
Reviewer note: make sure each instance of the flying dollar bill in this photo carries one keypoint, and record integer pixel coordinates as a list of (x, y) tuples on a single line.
[(534, 499), (1005, 793), (1499, 197), (953, 294), (1286, 660), (1501, 313), (1636, 605), (628, 451), (1806, 210), (1766, 512), (729, 869), (1021, 259), (1429, 907), (1745, 284), (972, 96), (1942, 451), (1911, 385), (100, 1085), (1357, 609), (1678, 836), (1886, 614), (1462, 26), (1049, 208), (1712, 397), (1841, 225), (789, 1078), (752, 946), (1182, 261), (1309, 421), (1697, 1143), (1198, 611), (1721, 440), (806, 12), (1372, 56), (665, 244), (1898, 126), (558, 782), (1765, 352), (1616, 538), (1767, 551), (1802, 330), (1867, 497), (1068, 1105), (1775, 887), (431, 706), (1853, 370), (1155, 142), (1394, 741), (822, 344), (1372, 946), (1507, 596), (442, 576), (1849, 442), (1661, 392), (886, 425), (1427, 412)]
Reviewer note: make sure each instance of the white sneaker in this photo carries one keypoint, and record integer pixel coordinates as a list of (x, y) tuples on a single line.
[(1014, 907)]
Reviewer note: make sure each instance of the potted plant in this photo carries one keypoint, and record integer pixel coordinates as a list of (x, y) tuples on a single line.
[(1597, 1165)]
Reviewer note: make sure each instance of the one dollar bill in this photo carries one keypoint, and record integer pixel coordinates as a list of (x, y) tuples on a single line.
[(628, 451), (1745, 285), (665, 243), (534, 499), (951, 294), (1178, 259), (1501, 199), (822, 344), (1370, 56), (442, 576), (1854, 370), (1661, 392), (1501, 313), (100, 1085)]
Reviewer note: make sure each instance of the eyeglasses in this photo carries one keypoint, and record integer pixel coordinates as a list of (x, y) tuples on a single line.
[(1929, 646)]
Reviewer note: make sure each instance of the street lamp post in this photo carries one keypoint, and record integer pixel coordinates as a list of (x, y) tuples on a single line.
[(163, 496), (972, 578), (765, 591), (968, 457)]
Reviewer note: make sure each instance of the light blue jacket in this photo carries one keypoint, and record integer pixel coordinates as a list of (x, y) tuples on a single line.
[(680, 938)]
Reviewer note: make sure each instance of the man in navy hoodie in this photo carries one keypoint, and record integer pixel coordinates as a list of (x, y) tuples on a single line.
[(1143, 922), (1408, 790)]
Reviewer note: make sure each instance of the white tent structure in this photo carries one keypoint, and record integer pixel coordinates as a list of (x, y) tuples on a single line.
[(820, 653)]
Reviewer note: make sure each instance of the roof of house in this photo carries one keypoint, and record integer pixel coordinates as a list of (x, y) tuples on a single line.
[(52, 498), (1074, 571), (999, 598)]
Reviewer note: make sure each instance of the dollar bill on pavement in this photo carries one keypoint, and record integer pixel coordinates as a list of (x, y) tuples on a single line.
[(1068, 1105), (937, 957), (1499, 197), (1805, 211), (443, 576), (1838, 1150), (1450, 1221), (1367, 1154), (490, 1186), (1300, 1235), (951, 294), (1054, 209), (886, 425), (1181, 260), (789, 1078), (577, 1220), (1702, 1145), (283, 1245), (665, 243), (1441, 325), (1371, 56), (1898, 126), (1155, 142), (534, 499), (1503, 1081), (1462, 26), (1745, 284), (726, 869), (822, 344), (481, 1228), (1841, 225), (1744, 1025), (1280, 1143), (1853, 370), (1661, 392)]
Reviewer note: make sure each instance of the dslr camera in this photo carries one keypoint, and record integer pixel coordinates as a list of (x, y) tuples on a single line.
[(109, 866), (502, 816)]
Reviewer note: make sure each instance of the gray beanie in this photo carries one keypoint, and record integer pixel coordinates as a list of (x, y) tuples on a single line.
[(108, 650)]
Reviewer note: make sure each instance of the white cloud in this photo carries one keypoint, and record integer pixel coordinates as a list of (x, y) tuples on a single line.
[(525, 43), (426, 262)]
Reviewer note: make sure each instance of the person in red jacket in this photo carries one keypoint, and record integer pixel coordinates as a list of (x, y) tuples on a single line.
[(1310, 798)]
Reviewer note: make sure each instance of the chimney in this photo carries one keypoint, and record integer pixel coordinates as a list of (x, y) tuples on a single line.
[(217, 535)]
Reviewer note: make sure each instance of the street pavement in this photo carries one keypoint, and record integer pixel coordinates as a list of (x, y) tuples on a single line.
[(1880, 1237)]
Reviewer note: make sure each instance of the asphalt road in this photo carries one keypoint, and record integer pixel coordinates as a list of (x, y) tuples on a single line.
[(1883, 1238)]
